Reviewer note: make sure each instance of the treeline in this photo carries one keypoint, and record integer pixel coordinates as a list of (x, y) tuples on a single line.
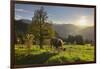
[(77, 39)]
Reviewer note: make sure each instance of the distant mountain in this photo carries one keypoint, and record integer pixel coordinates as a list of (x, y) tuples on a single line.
[(66, 29), (87, 33), (63, 30), (25, 21), (69, 29), (21, 25)]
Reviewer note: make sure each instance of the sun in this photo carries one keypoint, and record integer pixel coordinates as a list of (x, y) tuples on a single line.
[(82, 21)]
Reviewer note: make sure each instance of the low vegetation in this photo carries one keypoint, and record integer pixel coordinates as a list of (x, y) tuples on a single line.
[(47, 55)]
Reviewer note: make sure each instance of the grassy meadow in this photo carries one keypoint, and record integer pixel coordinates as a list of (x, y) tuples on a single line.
[(47, 55)]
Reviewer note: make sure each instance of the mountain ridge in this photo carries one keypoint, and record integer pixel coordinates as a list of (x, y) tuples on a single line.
[(63, 29)]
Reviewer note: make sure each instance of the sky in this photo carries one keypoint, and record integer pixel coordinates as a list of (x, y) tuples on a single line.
[(57, 14)]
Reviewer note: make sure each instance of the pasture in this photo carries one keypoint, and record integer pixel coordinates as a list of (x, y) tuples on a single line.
[(47, 55)]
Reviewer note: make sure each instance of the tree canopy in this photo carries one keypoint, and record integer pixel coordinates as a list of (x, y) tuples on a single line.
[(40, 27)]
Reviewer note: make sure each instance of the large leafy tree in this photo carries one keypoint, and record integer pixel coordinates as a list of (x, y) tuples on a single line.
[(41, 28)]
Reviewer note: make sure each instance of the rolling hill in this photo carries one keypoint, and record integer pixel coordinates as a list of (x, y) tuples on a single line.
[(63, 30), (69, 29)]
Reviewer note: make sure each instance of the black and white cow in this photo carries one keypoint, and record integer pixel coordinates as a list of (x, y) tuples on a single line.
[(57, 43)]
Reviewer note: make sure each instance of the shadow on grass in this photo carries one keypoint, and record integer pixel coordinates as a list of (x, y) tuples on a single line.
[(33, 59)]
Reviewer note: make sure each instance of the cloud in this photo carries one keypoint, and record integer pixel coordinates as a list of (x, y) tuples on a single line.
[(26, 14), (17, 17), (23, 10)]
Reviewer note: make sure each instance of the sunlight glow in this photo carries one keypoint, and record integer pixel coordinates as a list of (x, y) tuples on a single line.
[(82, 21)]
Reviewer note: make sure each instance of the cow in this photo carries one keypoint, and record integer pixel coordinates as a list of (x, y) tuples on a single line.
[(57, 43)]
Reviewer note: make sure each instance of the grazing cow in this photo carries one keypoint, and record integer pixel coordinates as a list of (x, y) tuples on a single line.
[(57, 43)]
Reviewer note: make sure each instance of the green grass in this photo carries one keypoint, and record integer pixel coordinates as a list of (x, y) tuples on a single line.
[(72, 54)]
